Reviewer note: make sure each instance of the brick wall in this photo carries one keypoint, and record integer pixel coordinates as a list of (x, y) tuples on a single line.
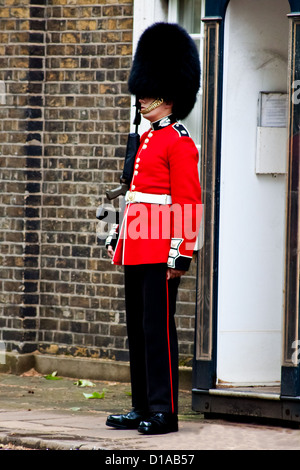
[(65, 115)]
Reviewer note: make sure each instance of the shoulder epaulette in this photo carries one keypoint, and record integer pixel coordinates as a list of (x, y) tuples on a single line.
[(181, 129)]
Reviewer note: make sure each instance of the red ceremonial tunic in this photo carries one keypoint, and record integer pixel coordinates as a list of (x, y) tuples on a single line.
[(166, 164)]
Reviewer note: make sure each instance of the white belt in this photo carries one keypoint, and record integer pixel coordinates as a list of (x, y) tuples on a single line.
[(135, 196)]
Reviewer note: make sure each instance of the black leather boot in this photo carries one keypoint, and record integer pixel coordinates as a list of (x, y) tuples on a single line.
[(130, 420)]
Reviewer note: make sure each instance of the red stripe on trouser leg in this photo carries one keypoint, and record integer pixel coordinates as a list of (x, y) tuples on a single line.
[(169, 349)]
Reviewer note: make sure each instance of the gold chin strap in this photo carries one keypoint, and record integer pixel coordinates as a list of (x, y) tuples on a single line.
[(152, 106)]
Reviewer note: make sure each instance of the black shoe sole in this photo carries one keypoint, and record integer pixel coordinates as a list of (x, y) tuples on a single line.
[(150, 431), (121, 426)]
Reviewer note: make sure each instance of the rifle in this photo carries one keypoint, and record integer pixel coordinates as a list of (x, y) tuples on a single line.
[(133, 144), (109, 215)]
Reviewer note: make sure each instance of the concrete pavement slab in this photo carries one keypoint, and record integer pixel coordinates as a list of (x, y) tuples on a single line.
[(62, 431), (41, 414)]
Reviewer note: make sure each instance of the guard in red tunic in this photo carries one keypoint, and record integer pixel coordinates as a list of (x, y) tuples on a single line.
[(156, 238)]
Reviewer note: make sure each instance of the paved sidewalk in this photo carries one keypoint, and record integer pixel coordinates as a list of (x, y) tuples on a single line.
[(46, 414)]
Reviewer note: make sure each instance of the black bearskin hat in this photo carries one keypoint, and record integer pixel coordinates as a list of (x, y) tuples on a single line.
[(166, 65)]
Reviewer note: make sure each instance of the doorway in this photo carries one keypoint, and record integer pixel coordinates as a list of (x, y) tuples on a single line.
[(252, 198)]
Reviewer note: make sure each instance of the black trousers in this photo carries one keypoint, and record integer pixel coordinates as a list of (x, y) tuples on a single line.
[(152, 337)]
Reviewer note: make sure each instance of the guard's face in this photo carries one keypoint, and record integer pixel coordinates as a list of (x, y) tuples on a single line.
[(164, 109), (145, 103)]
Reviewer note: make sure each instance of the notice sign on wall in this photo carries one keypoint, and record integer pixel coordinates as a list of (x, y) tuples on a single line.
[(272, 110), (271, 143)]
